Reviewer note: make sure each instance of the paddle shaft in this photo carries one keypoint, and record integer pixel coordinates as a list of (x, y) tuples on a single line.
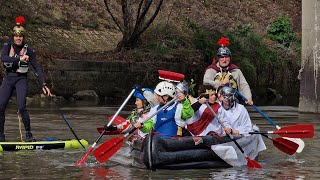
[(296, 140), (67, 122), (256, 108), (151, 131), (117, 113), (151, 116), (250, 163), (104, 152), (279, 132), (223, 126), (80, 162), (164, 106), (70, 127), (290, 131), (121, 107)]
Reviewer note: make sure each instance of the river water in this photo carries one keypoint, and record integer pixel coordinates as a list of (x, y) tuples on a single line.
[(60, 164)]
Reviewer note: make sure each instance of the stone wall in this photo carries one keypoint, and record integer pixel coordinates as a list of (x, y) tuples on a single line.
[(108, 79)]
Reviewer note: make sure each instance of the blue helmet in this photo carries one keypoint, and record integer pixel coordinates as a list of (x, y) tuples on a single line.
[(140, 95)]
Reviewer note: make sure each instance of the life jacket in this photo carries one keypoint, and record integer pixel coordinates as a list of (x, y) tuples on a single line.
[(18, 67), (224, 73), (166, 125), (226, 76)]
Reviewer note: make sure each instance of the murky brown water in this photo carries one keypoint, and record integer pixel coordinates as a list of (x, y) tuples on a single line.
[(60, 164)]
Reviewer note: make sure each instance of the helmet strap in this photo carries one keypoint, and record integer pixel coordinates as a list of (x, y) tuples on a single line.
[(165, 101)]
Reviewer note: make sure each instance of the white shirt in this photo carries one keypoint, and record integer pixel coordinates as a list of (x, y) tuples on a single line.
[(239, 118)]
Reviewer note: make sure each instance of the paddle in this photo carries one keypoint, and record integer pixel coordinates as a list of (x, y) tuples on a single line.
[(284, 145), (296, 140), (295, 131), (83, 159), (251, 163), (118, 120), (68, 124), (110, 147)]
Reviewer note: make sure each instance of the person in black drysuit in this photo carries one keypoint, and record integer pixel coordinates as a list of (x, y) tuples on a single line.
[(17, 58)]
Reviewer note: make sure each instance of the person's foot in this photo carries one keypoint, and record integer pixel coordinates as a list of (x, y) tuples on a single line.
[(2, 138), (29, 137)]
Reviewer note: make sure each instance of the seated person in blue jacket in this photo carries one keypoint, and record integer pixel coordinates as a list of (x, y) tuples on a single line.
[(166, 122)]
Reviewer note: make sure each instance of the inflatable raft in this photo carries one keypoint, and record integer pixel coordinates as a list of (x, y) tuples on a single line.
[(189, 152), (43, 145)]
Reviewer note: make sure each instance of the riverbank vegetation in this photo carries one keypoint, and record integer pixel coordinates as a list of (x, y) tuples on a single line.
[(265, 45)]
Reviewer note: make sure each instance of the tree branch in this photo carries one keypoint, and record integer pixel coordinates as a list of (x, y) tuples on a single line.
[(139, 9), (106, 2), (141, 18), (152, 18)]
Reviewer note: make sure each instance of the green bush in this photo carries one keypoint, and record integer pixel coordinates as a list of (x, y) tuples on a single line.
[(280, 31), (262, 65), (201, 40)]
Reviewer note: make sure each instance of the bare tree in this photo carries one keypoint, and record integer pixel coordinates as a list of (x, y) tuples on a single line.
[(137, 15)]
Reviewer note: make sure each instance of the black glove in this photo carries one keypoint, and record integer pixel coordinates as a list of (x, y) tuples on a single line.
[(110, 128)]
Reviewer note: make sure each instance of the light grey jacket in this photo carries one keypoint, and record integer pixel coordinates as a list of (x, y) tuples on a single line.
[(237, 75)]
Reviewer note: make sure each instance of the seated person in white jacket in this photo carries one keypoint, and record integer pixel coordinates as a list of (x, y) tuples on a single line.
[(236, 113)]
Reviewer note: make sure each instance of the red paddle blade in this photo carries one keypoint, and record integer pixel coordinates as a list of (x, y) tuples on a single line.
[(170, 76), (108, 149), (285, 145), (100, 130), (84, 158), (117, 120), (252, 163), (296, 131)]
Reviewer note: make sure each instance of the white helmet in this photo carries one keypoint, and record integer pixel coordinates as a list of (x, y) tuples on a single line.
[(165, 88)]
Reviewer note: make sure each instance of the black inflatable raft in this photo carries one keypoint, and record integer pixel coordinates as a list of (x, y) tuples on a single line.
[(178, 153)]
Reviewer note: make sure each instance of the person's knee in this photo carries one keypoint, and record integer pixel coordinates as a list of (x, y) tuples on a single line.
[(22, 109)]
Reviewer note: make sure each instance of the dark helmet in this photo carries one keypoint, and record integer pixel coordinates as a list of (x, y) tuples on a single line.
[(183, 87), (228, 93), (18, 30), (224, 52)]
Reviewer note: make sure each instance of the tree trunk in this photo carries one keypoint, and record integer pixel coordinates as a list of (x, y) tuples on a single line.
[(133, 28)]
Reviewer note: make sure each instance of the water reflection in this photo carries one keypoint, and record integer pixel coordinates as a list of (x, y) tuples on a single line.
[(60, 164)]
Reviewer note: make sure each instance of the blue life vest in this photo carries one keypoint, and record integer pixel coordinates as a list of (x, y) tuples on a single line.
[(166, 125)]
